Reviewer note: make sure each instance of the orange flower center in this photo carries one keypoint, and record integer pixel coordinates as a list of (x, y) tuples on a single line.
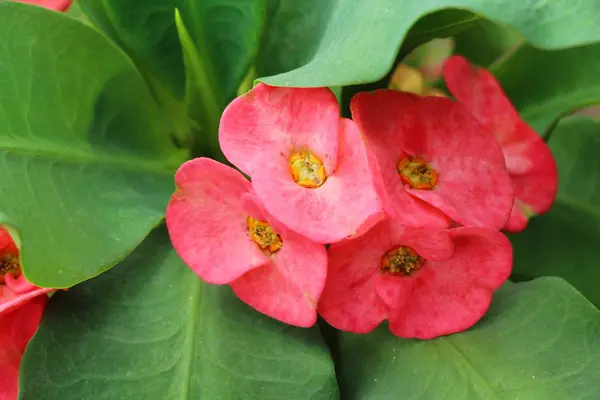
[(401, 261), (307, 170), (417, 173), (263, 235)]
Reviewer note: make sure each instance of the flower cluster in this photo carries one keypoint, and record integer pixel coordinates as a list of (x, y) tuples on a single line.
[(409, 194)]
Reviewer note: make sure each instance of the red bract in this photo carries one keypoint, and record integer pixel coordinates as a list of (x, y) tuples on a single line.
[(427, 282), (528, 159), (14, 287), (218, 227), (16, 329), (308, 167), (57, 5), (429, 149)]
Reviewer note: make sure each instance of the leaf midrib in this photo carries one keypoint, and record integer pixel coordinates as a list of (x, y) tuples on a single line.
[(78, 156), (189, 348), (461, 360)]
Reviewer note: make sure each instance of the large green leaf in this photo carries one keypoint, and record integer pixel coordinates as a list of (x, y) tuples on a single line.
[(540, 340), (83, 149), (220, 39), (146, 31), (343, 42), (484, 42), (543, 85), (150, 329), (564, 242)]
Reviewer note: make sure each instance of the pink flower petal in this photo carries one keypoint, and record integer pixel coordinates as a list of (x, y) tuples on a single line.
[(350, 301), (17, 291), (207, 221), (57, 5), (345, 205), (473, 186), (528, 159), (518, 220), (269, 123), (16, 329), (289, 287), (450, 296)]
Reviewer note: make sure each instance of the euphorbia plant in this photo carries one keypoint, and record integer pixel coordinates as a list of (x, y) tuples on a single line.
[(245, 201)]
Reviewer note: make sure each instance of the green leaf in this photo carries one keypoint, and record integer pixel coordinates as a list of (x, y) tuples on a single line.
[(226, 35), (146, 31), (543, 85), (539, 340), (484, 42), (344, 42), (220, 39), (84, 153), (564, 242), (151, 329), (440, 24)]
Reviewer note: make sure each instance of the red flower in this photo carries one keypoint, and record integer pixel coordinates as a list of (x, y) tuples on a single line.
[(15, 289), (222, 233), (57, 5), (427, 282), (528, 159), (16, 329), (430, 150), (308, 167)]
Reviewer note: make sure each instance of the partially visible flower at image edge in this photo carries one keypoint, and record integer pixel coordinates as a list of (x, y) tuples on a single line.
[(15, 289), (426, 282), (21, 307), (308, 166), (529, 160), (56, 5), (16, 329), (219, 228)]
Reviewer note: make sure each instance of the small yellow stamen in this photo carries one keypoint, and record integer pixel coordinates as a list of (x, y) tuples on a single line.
[(401, 261), (417, 173), (263, 235), (307, 170)]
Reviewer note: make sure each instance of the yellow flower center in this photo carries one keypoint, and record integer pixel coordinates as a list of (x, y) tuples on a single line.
[(401, 261), (263, 235), (307, 170), (417, 173)]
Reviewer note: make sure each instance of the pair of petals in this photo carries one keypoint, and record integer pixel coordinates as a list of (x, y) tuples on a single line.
[(473, 187), (528, 159), (16, 329), (206, 219), (448, 294), (260, 130)]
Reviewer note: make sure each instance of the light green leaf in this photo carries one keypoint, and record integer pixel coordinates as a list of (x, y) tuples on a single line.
[(540, 340), (544, 85), (150, 329), (85, 158), (344, 42), (564, 242)]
